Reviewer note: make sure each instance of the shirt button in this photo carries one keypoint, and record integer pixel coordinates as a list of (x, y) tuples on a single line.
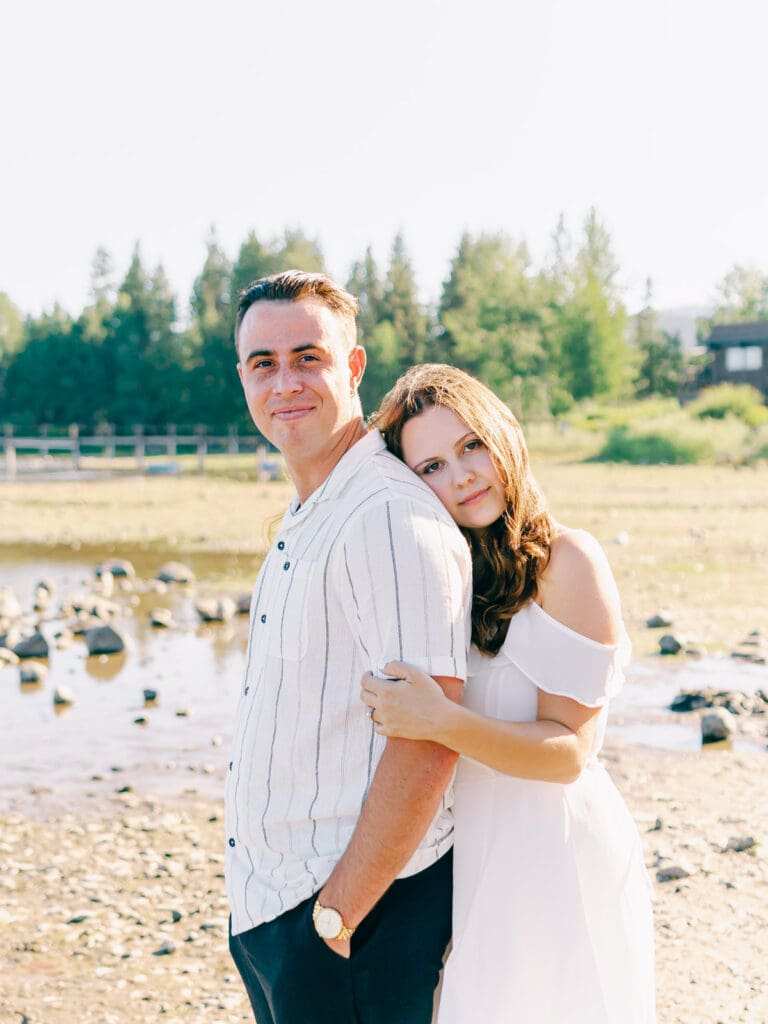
[(231, 842), (263, 618), (286, 565), (280, 545)]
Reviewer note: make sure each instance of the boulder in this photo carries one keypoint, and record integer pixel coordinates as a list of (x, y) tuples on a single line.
[(661, 620), (63, 696), (34, 646), (669, 644), (244, 604), (7, 657), (117, 567), (175, 572), (717, 725), (161, 618), (33, 672), (215, 609), (150, 696), (104, 640), (690, 700)]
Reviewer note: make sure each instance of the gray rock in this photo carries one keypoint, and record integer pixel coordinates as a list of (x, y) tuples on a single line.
[(161, 618), (740, 844), (672, 873), (42, 598), (669, 644), (63, 696), (690, 700), (165, 949), (104, 640), (150, 696), (33, 672), (34, 646), (175, 572), (661, 620), (717, 725), (7, 657), (117, 567), (213, 609), (244, 604)]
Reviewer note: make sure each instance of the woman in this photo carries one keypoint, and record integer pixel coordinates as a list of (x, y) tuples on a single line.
[(552, 913)]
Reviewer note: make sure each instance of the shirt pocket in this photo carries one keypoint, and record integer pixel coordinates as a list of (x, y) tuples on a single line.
[(288, 637)]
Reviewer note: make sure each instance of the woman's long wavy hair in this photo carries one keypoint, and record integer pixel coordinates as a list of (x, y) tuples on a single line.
[(508, 557)]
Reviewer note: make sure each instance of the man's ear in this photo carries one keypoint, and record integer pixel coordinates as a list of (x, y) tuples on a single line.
[(240, 372), (357, 361)]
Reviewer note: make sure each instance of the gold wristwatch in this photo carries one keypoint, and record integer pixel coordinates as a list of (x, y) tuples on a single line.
[(329, 924)]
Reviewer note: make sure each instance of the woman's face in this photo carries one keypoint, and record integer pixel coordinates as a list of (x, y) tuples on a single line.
[(454, 462)]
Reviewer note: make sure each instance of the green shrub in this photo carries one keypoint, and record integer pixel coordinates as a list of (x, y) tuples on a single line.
[(653, 448), (739, 400)]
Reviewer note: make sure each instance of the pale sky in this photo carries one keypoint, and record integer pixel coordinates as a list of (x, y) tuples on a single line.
[(151, 121)]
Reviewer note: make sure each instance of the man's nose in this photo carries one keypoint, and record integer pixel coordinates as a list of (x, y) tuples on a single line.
[(286, 381)]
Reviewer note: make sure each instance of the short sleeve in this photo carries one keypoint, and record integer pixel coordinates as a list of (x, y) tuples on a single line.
[(403, 574), (561, 661)]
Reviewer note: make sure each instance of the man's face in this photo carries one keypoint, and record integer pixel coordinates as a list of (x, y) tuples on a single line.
[(299, 375)]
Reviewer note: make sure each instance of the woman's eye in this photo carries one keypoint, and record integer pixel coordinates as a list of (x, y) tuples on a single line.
[(473, 445), (431, 468)]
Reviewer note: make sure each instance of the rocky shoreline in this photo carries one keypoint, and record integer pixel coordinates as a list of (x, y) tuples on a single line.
[(113, 907)]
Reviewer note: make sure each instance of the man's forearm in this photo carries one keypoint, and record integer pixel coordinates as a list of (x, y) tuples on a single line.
[(402, 801)]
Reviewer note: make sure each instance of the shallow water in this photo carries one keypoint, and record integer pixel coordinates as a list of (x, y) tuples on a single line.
[(198, 668)]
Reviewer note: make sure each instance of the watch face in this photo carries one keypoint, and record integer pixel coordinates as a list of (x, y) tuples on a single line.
[(328, 923)]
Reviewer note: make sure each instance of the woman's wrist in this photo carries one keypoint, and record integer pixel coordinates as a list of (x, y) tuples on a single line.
[(448, 724)]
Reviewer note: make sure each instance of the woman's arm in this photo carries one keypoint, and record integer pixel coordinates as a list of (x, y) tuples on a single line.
[(578, 590)]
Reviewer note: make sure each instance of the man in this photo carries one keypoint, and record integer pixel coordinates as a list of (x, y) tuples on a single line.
[(337, 867)]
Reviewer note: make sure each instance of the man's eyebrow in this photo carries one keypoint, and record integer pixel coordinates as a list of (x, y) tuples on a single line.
[(260, 353)]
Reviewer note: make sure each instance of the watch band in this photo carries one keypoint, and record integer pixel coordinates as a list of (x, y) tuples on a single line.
[(344, 932)]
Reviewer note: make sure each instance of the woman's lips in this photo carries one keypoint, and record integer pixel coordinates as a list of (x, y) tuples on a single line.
[(475, 496)]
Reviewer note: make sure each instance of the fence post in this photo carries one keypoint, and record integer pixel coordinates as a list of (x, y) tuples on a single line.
[(170, 445), (45, 450), (233, 446), (74, 437), (139, 447), (9, 449), (202, 446), (109, 440)]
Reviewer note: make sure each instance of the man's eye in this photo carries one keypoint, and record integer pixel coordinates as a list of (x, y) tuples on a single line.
[(308, 357)]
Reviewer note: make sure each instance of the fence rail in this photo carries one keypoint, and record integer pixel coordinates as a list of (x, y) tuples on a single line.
[(137, 445)]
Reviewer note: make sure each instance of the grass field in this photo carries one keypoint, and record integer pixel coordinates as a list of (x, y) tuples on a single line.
[(692, 538)]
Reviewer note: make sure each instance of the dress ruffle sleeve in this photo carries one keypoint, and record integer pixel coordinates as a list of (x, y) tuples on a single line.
[(561, 661)]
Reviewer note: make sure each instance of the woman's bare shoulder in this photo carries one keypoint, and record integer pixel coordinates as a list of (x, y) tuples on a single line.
[(578, 589)]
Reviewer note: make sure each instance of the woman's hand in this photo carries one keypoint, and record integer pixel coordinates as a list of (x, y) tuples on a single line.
[(410, 706)]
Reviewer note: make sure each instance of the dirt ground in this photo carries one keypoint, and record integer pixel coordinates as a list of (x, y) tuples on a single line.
[(112, 905)]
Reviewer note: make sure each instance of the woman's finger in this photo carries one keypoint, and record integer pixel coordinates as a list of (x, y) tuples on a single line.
[(397, 669)]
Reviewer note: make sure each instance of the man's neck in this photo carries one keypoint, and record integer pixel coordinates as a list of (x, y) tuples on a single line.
[(307, 477)]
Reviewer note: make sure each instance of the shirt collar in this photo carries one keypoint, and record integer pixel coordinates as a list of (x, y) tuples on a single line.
[(342, 472)]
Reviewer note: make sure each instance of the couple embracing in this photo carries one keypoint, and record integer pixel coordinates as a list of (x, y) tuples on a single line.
[(420, 616)]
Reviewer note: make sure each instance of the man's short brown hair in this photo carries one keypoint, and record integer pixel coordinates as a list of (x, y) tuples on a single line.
[(294, 285)]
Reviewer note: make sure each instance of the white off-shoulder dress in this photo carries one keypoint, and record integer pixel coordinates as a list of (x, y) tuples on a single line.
[(552, 902)]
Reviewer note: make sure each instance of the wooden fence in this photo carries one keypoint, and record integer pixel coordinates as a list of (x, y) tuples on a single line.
[(137, 446)]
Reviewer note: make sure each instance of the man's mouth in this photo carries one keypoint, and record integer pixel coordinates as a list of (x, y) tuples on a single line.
[(294, 412)]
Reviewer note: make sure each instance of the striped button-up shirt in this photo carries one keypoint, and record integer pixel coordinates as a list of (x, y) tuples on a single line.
[(369, 569)]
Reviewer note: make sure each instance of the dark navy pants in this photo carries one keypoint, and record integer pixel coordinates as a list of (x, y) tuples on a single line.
[(292, 977)]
